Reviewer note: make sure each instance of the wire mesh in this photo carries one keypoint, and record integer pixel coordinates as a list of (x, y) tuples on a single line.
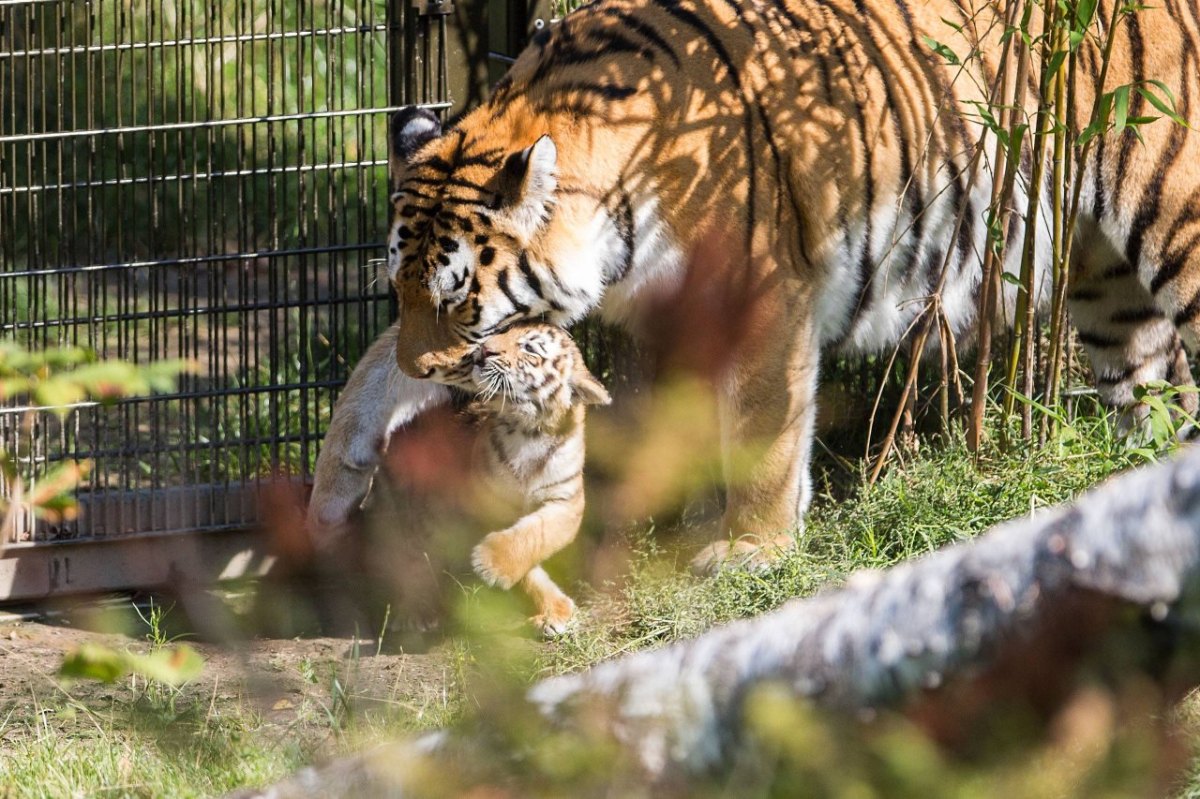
[(198, 179)]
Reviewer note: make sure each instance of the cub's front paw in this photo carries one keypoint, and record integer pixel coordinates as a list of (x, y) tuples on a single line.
[(490, 561)]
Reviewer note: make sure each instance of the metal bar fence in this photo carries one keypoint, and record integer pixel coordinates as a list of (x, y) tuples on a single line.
[(200, 179)]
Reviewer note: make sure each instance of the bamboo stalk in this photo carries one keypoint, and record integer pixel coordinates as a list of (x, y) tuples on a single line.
[(1002, 176), (1058, 311), (1020, 357)]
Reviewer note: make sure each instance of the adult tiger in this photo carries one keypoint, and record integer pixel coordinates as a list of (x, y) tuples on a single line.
[(835, 149)]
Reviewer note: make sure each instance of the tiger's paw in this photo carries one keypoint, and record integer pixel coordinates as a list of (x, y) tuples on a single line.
[(750, 552), (489, 562), (555, 619)]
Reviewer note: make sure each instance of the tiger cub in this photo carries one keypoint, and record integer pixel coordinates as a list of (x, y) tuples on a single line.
[(533, 393)]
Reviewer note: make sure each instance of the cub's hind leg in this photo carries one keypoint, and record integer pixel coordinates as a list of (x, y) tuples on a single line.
[(1128, 337)]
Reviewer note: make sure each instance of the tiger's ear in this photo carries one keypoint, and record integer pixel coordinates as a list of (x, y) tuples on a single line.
[(527, 184), (411, 128), (587, 389)]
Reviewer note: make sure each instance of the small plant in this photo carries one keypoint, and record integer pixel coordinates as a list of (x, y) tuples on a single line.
[(1160, 421)]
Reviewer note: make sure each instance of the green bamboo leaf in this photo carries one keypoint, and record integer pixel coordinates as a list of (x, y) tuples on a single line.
[(945, 52), (111, 380), (1017, 139), (58, 393), (1056, 62), (173, 666), (1085, 12), (1099, 123), (14, 386), (1120, 108), (94, 662), (1166, 107)]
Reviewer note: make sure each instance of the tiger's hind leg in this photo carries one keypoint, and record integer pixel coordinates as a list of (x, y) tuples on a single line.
[(1128, 337)]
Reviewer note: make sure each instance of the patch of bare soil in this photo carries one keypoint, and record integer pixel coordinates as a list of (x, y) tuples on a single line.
[(288, 685)]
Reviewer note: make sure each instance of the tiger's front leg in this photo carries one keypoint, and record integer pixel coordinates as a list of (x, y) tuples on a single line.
[(378, 398), (768, 408), (504, 557), (513, 556)]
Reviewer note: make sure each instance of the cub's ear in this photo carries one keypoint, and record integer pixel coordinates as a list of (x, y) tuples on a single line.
[(587, 389), (527, 184), (411, 128)]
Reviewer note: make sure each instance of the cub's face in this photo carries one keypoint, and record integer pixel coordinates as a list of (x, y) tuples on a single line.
[(535, 371)]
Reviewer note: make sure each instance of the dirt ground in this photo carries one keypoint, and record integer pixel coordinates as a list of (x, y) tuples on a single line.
[(287, 683)]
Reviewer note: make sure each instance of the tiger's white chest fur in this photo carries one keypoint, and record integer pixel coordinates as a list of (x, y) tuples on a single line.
[(537, 466)]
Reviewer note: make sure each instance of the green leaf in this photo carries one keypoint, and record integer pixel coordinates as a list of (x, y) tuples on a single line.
[(172, 666), (1085, 12), (942, 50), (58, 393), (1056, 62), (94, 662), (1166, 107), (1121, 108), (1099, 123), (1015, 142), (13, 386)]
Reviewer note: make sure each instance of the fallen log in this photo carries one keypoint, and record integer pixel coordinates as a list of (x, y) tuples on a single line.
[(1008, 618)]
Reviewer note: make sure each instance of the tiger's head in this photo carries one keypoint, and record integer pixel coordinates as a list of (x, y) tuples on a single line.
[(482, 237), (533, 373)]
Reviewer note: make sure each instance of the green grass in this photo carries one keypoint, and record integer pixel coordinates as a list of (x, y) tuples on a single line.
[(938, 497), (138, 742), (129, 750)]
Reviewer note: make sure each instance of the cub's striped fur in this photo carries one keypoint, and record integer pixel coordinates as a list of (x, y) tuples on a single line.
[(833, 146), (534, 389), (529, 417)]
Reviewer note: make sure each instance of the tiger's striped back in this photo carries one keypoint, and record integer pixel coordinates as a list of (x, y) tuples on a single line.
[(837, 152)]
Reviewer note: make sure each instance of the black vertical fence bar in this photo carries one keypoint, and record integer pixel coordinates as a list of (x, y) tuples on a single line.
[(199, 179)]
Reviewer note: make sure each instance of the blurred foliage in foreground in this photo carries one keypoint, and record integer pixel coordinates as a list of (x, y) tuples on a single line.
[(58, 379)]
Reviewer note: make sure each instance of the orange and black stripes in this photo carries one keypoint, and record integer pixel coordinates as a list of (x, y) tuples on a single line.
[(824, 136)]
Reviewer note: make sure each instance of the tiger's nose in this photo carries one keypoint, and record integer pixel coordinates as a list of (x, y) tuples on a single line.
[(482, 353)]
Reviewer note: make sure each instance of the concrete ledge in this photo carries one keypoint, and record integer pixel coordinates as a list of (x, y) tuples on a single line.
[(43, 570)]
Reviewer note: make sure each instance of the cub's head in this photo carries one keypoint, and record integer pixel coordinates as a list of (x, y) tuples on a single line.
[(467, 251), (533, 372)]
